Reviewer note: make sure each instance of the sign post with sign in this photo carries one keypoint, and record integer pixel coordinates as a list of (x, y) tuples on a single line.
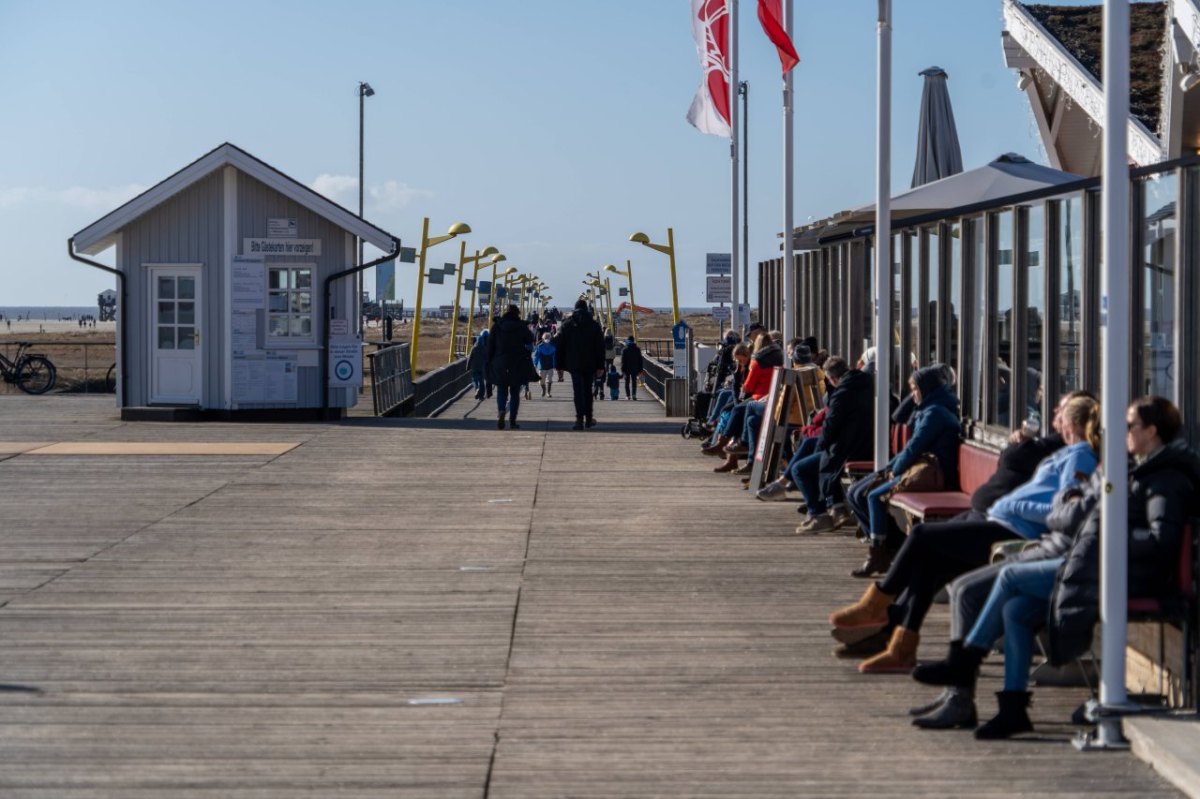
[(718, 288)]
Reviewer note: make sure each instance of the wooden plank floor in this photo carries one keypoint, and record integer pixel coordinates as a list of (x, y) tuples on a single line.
[(435, 608)]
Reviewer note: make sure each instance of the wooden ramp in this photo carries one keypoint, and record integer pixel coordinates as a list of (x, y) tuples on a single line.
[(436, 608)]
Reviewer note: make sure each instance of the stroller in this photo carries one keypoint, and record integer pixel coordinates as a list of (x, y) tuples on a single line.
[(697, 426)]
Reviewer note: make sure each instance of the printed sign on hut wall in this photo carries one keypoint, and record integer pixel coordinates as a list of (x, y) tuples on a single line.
[(281, 247)]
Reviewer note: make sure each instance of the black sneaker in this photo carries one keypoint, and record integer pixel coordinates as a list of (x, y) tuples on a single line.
[(591, 422), (578, 424)]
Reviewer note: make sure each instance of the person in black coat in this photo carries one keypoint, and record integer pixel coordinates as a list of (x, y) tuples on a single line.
[(580, 345), (633, 364), (508, 350)]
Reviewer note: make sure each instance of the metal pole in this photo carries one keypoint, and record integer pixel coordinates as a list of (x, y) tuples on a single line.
[(744, 90), (1114, 387), (789, 276), (358, 278), (675, 317), (474, 290), (458, 279), (416, 328), (733, 168), (608, 296), (883, 236), (632, 301), (492, 298)]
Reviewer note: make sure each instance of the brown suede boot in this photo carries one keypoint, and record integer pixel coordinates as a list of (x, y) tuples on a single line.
[(869, 611), (899, 658), (731, 463)]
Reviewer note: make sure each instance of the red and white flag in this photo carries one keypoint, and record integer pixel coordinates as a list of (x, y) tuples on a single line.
[(710, 28), (770, 16)]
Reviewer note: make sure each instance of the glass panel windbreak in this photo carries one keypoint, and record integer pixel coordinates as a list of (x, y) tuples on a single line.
[(978, 310), (1158, 286), (933, 269), (1070, 298), (1035, 315), (914, 303), (955, 300), (1000, 319), (897, 309)]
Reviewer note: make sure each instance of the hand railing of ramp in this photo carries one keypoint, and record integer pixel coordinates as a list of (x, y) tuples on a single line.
[(391, 379), (437, 389)]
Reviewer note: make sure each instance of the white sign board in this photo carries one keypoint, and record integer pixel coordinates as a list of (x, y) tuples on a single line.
[(345, 361), (248, 283), (721, 313), (281, 228), (281, 246), (719, 288), (339, 327), (718, 263)]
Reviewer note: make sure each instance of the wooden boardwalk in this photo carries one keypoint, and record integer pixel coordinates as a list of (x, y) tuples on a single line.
[(434, 608)]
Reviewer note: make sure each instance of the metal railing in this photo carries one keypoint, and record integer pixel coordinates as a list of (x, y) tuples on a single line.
[(655, 378), (661, 348), (439, 387), (82, 367), (391, 378)]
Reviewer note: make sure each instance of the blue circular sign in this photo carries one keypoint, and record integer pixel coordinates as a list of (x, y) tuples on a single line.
[(343, 370)]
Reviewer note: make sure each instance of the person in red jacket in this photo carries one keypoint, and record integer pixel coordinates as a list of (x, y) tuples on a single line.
[(755, 388)]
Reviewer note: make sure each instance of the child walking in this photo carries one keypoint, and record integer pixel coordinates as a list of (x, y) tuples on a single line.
[(614, 382)]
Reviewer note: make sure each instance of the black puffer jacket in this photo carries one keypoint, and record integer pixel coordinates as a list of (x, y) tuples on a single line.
[(1163, 494), (580, 343), (846, 432), (508, 348)]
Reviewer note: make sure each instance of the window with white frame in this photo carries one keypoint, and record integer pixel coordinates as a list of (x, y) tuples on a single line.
[(289, 301)]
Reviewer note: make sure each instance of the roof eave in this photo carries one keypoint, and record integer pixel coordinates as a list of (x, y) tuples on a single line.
[(101, 234)]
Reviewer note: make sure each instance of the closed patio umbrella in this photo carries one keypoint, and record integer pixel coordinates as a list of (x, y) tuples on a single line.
[(938, 153)]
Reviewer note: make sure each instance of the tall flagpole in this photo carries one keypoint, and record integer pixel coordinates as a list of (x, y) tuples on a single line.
[(1114, 382), (789, 275), (735, 317), (883, 237)]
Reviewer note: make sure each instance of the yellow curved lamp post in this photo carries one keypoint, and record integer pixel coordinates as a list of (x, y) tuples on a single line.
[(463, 260), (602, 288), (628, 273), (492, 302), (457, 229), (669, 250), (496, 258)]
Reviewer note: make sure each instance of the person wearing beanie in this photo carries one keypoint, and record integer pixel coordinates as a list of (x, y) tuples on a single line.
[(580, 347)]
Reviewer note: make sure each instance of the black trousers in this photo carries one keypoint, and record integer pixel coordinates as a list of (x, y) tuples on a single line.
[(581, 389), (630, 385), (933, 555)]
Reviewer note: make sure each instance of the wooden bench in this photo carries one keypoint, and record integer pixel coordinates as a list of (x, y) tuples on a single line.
[(897, 438), (975, 467)]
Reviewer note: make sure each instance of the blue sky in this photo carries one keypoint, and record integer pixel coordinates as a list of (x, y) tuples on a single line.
[(555, 129)]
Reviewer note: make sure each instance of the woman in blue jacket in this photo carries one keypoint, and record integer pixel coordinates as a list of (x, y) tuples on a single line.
[(935, 427)]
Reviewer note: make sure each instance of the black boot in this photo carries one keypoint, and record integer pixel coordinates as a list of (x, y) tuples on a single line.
[(500, 424), (925, 710), (959, 668), (1012, 718), (878, 561), (957, 712), (578, 423)]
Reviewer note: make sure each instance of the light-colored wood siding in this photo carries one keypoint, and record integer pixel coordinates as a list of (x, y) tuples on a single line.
[(184, 229)]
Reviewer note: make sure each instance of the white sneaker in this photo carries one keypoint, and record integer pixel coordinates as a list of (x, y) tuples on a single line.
[(840, 516), (816, 524), (772, 492)]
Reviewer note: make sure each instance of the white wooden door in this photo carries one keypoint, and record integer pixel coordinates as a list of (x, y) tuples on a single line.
[(176, 362)]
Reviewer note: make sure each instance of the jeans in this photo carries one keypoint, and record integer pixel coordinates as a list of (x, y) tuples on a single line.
[(737, 418), (477, 380), (581, 390), (720, 401), (508, 398), (803, 472), (754, 416), (1016, 607)]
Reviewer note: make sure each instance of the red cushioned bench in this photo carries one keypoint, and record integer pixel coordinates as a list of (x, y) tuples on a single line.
[(975, 467), (898, 437)]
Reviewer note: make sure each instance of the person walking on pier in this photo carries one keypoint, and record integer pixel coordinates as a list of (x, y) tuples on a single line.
[(477, 363), (580, 345), (632, 366), (545, 358), (509, 346)]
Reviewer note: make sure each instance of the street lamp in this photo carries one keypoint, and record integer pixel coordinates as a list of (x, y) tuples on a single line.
[(495, 279), (457, 229), (496, 258), (364, 91), (669, 250), (463, 260), (627, 273)]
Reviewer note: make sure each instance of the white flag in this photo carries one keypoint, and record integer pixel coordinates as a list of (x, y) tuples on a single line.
[(711, 105)]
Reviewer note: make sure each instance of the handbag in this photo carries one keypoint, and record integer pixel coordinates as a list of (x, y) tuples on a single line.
[(924, 475)]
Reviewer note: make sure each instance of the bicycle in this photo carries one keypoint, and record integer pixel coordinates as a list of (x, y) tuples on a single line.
[(32, 373)]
